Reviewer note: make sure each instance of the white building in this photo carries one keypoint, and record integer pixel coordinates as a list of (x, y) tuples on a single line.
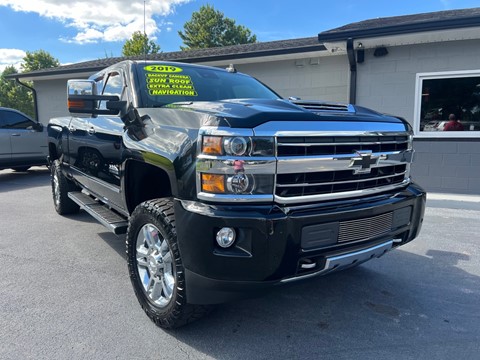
[(421, 67)]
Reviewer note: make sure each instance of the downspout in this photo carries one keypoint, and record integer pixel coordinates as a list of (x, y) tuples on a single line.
[(34, 96), (353, 71)]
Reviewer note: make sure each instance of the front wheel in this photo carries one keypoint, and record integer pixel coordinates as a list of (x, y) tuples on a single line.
[(61, 186), (155, 266)]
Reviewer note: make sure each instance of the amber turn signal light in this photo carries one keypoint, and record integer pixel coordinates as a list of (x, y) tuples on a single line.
[(213, 183), (212, 145)]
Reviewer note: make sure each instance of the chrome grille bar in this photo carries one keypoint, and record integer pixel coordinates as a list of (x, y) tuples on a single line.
[(340, 182), (356, 230), (333, 166)]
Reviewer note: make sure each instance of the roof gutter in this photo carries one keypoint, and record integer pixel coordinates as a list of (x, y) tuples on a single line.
[(353, 71), (191, 56), (34, 92), (423, 26)]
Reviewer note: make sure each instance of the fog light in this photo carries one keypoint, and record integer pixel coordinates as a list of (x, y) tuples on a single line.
[(225, 237)]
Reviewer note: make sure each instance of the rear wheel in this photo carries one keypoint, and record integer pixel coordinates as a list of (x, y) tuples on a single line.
[(61, 186), (155, 266)]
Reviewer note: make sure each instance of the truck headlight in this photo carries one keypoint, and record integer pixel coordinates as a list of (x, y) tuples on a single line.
[(237, 146), (240, 184), (235, 167)]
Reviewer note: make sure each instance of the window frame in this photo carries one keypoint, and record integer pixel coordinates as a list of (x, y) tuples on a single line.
[(420, 77), (8, 113)]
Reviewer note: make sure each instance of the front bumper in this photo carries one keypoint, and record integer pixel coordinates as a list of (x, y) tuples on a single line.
[(276, 245)]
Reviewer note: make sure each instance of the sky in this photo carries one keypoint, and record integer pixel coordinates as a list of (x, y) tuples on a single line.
[(80, 30)]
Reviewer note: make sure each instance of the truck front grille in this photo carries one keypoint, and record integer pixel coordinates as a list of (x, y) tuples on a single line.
[(316, 168), (308, 146), (356, 230)]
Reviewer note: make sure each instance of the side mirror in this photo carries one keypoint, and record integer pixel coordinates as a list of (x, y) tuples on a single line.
[(82, 99), (38, 127)]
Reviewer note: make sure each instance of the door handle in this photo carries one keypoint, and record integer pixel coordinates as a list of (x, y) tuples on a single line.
[(15, 134), (91, 130)]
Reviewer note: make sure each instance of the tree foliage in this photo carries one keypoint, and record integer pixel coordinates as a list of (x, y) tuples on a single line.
[(139, 44), (210, 28), (15, 96), (38, 60)]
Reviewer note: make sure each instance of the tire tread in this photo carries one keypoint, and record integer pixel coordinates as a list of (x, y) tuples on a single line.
[(181, 312)]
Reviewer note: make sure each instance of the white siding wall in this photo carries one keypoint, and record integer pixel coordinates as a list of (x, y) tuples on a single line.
[(51, 99), (328, 80), (387, 84)]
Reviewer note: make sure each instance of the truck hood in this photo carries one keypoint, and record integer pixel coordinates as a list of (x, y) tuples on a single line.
[(250, 113)]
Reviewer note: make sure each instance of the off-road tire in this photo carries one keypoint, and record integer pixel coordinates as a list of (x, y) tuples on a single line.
[(173, 311), (61, 186)]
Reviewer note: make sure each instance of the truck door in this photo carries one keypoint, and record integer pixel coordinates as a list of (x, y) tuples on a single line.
[(97, 147)]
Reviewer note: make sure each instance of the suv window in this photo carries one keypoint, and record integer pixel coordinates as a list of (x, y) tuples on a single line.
[(14, 120)]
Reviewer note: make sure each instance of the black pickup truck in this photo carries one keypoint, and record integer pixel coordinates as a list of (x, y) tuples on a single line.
[(225, 189)]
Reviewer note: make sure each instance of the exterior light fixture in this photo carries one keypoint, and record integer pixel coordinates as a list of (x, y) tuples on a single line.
[(226, 237)]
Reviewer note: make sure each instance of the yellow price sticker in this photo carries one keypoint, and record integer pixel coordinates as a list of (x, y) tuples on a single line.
[(163, 68)]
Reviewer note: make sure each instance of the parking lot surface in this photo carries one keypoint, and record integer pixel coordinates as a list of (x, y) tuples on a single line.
[(65, 294)]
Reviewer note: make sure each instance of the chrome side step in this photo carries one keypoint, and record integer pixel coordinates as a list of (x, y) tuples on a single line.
[(105, 216), (344, 261)]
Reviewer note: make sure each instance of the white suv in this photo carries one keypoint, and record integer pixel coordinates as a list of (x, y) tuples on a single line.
[(23, 141)]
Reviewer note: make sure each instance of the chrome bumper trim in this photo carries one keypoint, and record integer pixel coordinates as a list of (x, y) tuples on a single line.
[(340, 262)]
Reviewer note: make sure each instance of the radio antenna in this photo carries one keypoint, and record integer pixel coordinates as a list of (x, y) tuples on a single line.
[(144, 34)]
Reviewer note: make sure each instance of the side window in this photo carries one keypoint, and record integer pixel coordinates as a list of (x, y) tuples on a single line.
[(14, 120), (113, 86), (3, 122)]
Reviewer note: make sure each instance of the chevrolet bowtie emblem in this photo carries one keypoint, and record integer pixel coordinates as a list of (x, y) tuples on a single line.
[(362, 164)]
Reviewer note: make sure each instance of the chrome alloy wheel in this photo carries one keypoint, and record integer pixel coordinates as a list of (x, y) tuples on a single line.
[(56, 189), (155, 265)]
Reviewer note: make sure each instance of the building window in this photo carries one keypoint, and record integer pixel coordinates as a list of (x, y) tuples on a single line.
[(448, 104)]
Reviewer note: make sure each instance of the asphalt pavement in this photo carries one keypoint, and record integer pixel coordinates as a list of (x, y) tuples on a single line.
[(65, 294)]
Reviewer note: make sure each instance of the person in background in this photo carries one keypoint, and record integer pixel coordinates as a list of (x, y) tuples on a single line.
[(453, 124)]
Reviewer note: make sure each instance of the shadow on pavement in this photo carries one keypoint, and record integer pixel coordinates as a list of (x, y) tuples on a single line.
[(13, 180), (397, 303)]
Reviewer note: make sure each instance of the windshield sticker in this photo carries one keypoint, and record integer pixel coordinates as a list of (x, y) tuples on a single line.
[(163, 69), (162, 81)]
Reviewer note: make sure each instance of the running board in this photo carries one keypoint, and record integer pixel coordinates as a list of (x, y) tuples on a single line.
[(105, 216)]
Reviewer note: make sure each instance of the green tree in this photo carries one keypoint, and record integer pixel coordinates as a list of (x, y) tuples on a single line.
[(19, 97), (139, 44), (15, 96), (38, 60), (210, 28)]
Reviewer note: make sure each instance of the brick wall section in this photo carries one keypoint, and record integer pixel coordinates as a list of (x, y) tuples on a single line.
[(447, 166)]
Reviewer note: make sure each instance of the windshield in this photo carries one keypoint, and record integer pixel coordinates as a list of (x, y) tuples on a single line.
[(166, 83)]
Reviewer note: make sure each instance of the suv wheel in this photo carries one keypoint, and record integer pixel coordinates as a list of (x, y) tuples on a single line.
[(155, 266)]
